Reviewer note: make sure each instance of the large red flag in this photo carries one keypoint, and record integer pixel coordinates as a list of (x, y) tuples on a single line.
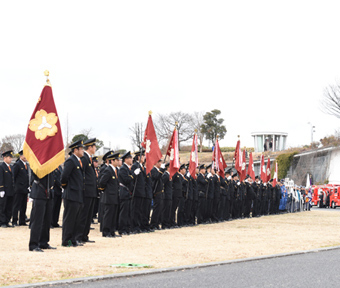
[(43, 146), (193, 157), (173, 153), (275, 175), (268, 170), (238, 158), (218, 160), (263, 170), (150, 143), (243, 171), (251, 171)]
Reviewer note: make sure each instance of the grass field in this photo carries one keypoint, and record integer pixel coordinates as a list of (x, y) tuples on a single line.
[(200, 244)]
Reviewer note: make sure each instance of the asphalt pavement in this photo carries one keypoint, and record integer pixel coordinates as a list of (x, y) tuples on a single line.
[(316, 269)]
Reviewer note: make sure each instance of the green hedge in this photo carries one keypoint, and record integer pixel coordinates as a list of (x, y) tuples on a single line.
[(284, 161)]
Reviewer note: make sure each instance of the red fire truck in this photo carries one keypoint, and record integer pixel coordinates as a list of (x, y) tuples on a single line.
[(326, 196)]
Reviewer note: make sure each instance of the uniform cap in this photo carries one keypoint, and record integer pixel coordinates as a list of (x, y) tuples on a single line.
[(90, 142), (107, 154), (7, 153), (76, 144), (126, 155)]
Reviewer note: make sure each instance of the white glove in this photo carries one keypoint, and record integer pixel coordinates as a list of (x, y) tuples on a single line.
[(137, 171), (238, 183), (209, 175), (229, 178), (62, 190), (2, 194), (265, 184), (29, 189), (188, 174), (163, 166)]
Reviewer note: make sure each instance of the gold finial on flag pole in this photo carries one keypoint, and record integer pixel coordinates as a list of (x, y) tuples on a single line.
[(150, 112), (47, 74)]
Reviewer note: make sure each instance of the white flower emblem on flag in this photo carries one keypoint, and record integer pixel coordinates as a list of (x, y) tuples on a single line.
[(172, 154), (148, 144), (264, 169), (243, 166), (193, 156), (275, 175), (252, 167), (268, 171)]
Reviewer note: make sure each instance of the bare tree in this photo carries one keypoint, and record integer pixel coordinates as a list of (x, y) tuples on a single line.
[(330, 103), (87, 132), (13, 142), (165, 124), (197, 121), (137, 135)]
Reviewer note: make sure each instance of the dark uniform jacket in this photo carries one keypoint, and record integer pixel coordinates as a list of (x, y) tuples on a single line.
[(167, 186), (6, 180), (202, 184), (194, 189), (250, 193), (72, 180), (126, 182), (140, 180), (42, 188), (177, 185), (148, 187), (109, 184), (217, 186), (211, 188), (57, 182), (190, 194), (157, 182), (20, 177), (90, 177), (185, 186)]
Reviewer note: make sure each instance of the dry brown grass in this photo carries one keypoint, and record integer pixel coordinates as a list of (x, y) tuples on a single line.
[(201, 244)]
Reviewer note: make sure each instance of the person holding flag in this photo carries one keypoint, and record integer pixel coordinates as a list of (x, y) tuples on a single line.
[(44, 150)]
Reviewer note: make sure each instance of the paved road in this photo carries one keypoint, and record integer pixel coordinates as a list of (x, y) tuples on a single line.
[(315, 208), (311, 270)]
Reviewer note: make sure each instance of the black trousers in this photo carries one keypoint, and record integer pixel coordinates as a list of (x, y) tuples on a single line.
[(202, 207), (166, 213), (157, 210), (109, 219), (71, 221), (215, 208), (40, 223), (96, 207), (208, 214), (86, 213), (146, 210), (136, 213), (177, 204), (187, 211), (124, 216), (100, 209), (194, 212), (221, 210), (19, 207), (227, 209), (56, 210), (247, 208), (6, 205)]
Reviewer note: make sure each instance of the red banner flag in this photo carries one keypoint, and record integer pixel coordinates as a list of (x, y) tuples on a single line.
[(243, 171), (173, 153), (268, 170), (263, 170), (238, 158), (251, 171), (193, 157), (43, 146), (218, 160), (150, 143), (275, 175)]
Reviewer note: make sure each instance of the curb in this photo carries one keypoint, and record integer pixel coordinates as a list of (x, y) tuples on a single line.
[(164, 270)]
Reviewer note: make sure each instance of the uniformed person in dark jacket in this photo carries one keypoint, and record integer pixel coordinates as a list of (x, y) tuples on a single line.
[(90, 192), (230, 194), (96, 202), (202, 187), (167, 201), (194, 209), (216, 197), (138, 192), (6, 189), (158, 195), (238, 193), (189, 196), (250, 197), (181, 203), (21, 188), (104, 165), (257, 200), (109, 184), (57, 193), (176, 197), (146, 205), (41, 193), (210, 193), (126, 181), (72, 180)]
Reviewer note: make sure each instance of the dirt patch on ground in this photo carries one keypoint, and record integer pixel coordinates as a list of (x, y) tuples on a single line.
[(166, 248)]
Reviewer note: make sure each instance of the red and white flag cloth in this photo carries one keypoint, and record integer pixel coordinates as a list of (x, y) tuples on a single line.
[(43, 146), (150, 143), (193, 157), (218, 160), (243, 171), (173, 153), (251, 171), (268, 170), (263, 170), (275, 175), (238, 158)]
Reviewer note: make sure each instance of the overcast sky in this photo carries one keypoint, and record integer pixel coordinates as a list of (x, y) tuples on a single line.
[(264, 64)]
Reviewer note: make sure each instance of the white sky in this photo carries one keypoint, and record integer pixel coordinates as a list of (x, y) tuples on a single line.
[(264, 64)]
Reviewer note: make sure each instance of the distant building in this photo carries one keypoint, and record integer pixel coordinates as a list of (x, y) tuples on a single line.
[(269, 141), (102, 151)]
